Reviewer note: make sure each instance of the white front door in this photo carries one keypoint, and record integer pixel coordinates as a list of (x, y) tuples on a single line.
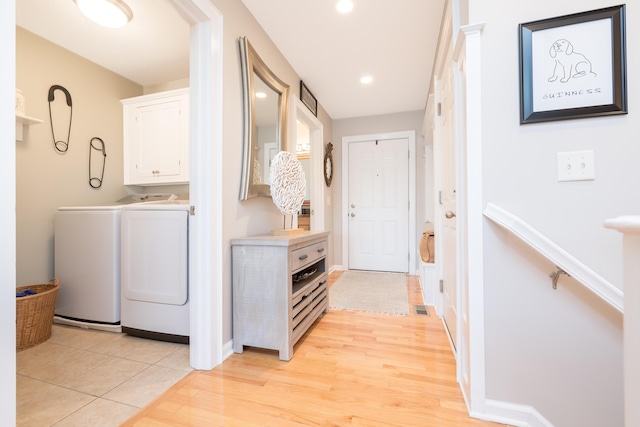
[(378, 205), (449, 226)]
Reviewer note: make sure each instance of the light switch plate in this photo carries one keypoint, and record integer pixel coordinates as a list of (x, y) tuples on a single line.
[(576, 166)]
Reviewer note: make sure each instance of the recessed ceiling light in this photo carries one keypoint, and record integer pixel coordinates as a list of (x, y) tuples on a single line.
[(365, 80), (261, 95), (108, 13), (344, 6)]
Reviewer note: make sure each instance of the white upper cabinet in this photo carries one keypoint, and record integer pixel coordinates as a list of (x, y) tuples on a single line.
[(156, 138)]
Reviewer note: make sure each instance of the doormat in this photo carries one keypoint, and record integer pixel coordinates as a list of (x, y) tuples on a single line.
[(371, 292)]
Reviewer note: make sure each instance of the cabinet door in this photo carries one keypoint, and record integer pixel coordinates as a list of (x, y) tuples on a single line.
[(157, 141), (158, 133)]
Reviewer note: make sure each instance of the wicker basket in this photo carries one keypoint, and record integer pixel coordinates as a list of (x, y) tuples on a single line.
[(34, 314)]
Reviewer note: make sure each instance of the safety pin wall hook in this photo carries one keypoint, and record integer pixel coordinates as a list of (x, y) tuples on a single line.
[(96, 182), (556, 275), (60, 145)]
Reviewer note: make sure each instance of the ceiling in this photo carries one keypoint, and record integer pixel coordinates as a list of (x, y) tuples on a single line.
[(143, 51), (393, 41), (329, 51)]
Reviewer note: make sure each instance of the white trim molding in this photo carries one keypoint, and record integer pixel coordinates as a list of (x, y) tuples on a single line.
[(205, 142), (630, 227), (8, 212), (512, 414), (467, 55), (583, 274)]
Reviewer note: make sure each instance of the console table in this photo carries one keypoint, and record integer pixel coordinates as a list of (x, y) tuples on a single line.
[(280, 287)]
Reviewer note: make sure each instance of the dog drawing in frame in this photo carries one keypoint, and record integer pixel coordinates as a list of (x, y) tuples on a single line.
[(568, 63)]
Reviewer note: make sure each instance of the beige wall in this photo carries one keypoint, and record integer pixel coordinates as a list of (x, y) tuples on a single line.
[(46, 179), (96, 97), (259, 215)]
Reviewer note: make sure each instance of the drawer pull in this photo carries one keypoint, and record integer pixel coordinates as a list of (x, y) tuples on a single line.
[(320, 250), (301, 257), (322, 283)]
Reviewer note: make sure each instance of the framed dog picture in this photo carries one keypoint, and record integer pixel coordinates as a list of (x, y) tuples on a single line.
[(573, 66)]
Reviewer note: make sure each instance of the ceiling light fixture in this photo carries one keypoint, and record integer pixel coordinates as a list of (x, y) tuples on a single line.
[(108, 13), (344, 6), (366, 80)]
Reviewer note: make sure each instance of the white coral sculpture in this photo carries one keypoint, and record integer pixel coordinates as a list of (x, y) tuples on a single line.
[(287, 183)]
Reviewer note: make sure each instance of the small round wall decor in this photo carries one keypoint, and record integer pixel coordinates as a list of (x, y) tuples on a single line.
[(328, 165)]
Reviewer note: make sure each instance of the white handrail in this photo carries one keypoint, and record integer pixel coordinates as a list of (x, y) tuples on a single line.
[(561, 258)]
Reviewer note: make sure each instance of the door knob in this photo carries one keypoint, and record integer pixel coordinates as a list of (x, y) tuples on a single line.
[(352, 205), (352, 214), (449, 214)]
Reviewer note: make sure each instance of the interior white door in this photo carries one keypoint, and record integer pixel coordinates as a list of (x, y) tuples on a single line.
[(378, 222), (449, 223)]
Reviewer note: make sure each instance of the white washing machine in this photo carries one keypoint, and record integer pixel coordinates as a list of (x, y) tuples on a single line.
[(87, 262), (154, 299)]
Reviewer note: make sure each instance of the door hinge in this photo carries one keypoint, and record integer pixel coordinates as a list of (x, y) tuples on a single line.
[(192, 210), (440, 197), (439, 108), (441, 286)]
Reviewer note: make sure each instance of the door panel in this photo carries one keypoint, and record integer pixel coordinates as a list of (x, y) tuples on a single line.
[(379, 205)]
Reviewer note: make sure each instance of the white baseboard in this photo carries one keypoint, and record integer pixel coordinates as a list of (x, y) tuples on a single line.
[(227, 350), (428, 283), (335, 268), (512, 414)]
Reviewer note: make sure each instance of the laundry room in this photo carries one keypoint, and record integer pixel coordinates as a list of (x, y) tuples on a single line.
[(49, 175), (70, 159)]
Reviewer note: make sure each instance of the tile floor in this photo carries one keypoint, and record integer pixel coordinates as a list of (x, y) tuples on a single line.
[(82, 377)]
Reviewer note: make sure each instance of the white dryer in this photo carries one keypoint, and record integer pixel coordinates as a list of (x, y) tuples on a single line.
[(87, 262), (154, 299)]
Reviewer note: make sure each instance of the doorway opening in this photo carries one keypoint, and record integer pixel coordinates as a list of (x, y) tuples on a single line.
[(307, 131)]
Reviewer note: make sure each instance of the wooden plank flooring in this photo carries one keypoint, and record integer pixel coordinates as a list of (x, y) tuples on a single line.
[(349, 369)]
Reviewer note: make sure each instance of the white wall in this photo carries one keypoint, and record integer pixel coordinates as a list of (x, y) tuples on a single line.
[(558, 351)]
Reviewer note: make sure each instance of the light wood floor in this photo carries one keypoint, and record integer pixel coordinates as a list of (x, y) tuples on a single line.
[(350, 369)]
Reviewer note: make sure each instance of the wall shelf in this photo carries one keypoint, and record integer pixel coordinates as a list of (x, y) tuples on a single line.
[(23, 121)]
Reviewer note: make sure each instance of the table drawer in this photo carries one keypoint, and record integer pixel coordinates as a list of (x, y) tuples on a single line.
[(308, 255)]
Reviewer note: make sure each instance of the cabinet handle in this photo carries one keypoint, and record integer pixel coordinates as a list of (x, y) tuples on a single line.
[(320, 250), (322, 283), (301, 257)]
